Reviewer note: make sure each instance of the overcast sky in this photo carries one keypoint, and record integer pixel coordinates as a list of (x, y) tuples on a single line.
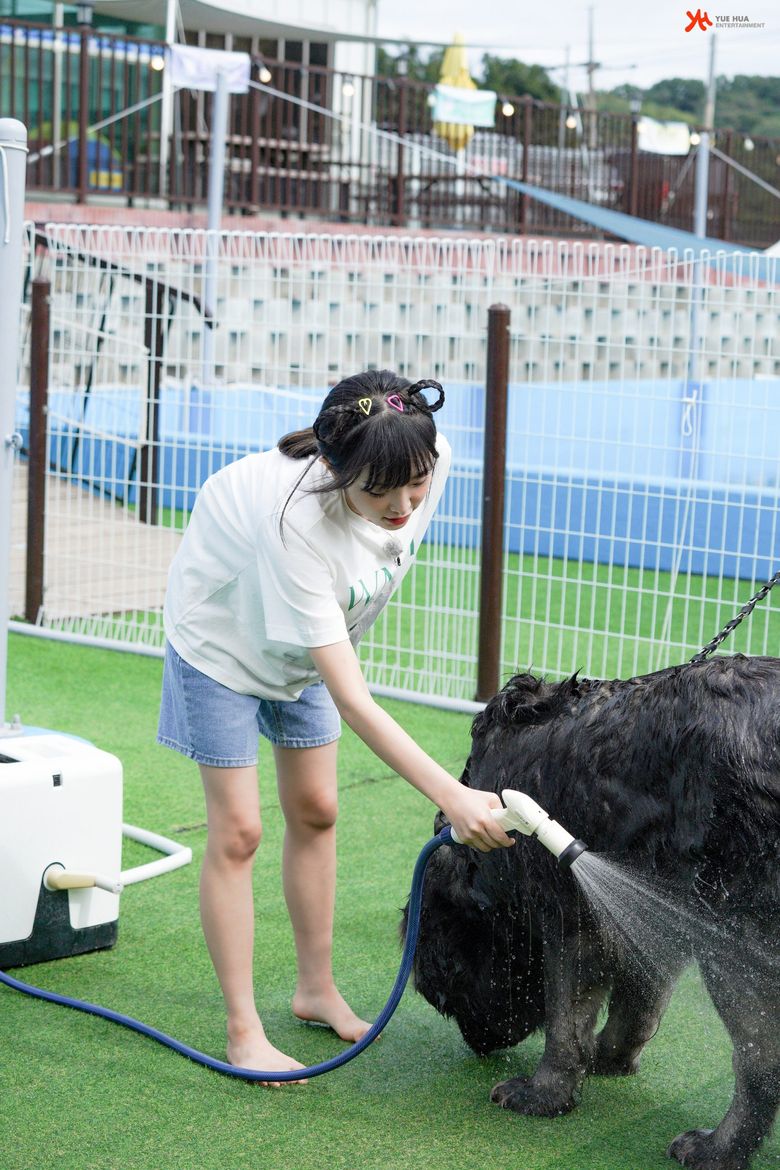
[(635, 41)]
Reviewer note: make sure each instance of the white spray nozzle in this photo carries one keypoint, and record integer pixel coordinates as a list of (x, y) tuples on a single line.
[(521, 812), (527, 817)]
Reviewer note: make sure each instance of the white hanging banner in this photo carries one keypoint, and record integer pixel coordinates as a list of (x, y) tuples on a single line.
[(194, 68), (663, 137), (464, 107)]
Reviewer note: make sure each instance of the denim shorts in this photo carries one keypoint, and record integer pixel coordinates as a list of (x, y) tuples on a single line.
[(218, 727)]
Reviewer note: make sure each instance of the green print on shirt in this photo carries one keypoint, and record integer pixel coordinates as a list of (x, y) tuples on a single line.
[(381, 577), (361, 592)]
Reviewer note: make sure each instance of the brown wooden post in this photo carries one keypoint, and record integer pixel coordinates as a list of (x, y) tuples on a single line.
[(633, 173), (37, 449), (491, 581), (83, 180), (149, 474), (398, 217), (254, 149), (528, 115), (726, 230)]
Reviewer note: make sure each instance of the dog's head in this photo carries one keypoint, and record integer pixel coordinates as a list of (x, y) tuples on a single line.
[(481, 968)]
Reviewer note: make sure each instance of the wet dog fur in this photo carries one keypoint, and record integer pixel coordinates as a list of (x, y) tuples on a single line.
[(676, 773)]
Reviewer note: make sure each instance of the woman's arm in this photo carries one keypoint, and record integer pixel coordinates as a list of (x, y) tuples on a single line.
[(467, 810)]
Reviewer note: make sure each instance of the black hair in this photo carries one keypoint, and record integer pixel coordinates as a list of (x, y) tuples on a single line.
[(376, 424)]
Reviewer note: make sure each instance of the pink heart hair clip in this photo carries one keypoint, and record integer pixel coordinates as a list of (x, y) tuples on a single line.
[(396, 403)]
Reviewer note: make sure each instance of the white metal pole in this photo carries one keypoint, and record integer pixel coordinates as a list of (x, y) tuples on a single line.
[(13, 167), (166, 109), (216, 191)]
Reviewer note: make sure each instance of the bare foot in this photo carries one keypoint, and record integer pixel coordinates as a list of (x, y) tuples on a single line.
[(331, 1009), (251, 1049)]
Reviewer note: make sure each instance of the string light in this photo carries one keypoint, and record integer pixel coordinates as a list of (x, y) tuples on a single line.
[(507, 109), (348, 87), (265, 74)]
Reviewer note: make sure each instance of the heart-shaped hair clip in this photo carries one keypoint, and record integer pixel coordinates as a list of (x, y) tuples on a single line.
[(365, 405), (396, 403)]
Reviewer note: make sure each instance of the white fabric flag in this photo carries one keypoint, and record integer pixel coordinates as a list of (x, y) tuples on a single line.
[(194, 68), (464, 107), (663, 137)]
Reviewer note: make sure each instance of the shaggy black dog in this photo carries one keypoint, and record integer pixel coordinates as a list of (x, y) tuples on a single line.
[(677, 776)]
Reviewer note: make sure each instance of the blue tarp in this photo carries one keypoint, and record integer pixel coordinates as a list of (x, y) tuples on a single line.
[(650, 234)]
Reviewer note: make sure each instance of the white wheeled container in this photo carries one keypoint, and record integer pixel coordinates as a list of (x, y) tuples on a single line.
[(61, 835)]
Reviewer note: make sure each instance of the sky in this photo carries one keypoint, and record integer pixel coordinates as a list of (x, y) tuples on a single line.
[(635, 41)]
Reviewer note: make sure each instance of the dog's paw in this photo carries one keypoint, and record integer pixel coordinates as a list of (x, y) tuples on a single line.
[(613, 1064), (521, 1095), (697, 1149)]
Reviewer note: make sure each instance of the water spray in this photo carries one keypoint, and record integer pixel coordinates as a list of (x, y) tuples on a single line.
[(530, 819)]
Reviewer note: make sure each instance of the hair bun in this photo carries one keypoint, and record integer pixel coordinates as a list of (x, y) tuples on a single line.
[(428, 384)]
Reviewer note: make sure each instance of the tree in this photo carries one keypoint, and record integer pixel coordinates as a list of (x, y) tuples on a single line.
[(512, 78), (681, 93), (749, 104), (410, 62)]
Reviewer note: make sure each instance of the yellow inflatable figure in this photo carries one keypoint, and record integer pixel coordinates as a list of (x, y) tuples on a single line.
[(455, 72)]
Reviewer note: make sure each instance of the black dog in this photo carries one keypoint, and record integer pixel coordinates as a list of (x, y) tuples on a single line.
[(676, 774)]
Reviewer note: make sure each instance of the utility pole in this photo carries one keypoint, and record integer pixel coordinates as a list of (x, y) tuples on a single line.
[(592, 66), (564, 105), (703, 153)]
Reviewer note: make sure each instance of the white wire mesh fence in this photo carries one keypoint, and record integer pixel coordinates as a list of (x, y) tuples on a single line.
[(644, 419)]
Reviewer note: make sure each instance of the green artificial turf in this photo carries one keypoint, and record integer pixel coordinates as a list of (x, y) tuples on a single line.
[(78, 1093)]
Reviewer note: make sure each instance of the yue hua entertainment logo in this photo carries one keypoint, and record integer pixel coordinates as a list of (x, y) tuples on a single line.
[(699, 20)]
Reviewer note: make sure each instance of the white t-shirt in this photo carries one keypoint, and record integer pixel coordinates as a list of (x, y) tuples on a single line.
[(243, 604)]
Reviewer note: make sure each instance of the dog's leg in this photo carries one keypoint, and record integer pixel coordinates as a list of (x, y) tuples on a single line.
[(749, 1006), (636, 1007), (571, 1007)]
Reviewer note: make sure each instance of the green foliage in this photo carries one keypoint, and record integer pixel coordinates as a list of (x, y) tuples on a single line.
[(684, 94), (747, 104), (507, 76), (411, 63), (512, 78)]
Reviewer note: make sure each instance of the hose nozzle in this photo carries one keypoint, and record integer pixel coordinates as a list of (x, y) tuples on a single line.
[(530, 819), (525, 815)]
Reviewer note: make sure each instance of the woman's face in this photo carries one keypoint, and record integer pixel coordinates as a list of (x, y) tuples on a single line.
[(389, 509)]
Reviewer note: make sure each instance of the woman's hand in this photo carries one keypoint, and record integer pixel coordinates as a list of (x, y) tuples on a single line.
[(468, 811)]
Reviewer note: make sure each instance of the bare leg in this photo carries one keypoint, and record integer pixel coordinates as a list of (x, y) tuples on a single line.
[(227, 910), (308, 796)]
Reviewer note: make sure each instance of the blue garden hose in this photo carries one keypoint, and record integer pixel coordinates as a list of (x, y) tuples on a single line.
[(250, 1074)]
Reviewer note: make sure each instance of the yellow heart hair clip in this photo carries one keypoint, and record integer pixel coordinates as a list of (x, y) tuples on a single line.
[(365, 405)]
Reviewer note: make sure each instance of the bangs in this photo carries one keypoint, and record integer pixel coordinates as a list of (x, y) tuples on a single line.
[(395, 458)]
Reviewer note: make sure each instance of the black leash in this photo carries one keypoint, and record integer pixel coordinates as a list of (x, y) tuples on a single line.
[(732, 625)]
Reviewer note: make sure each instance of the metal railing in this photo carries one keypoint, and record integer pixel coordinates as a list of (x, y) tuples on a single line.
[(638, 393), (357, 149)]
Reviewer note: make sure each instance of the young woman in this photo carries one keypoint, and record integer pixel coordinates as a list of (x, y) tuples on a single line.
[(288, 558)]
